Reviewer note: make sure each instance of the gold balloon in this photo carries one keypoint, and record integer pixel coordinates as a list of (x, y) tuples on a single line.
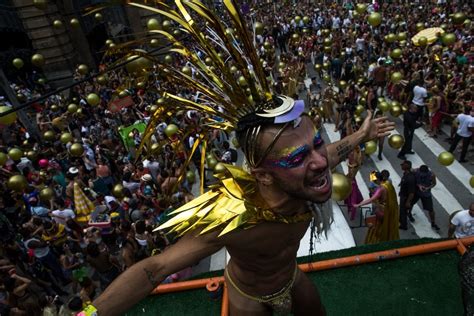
[(37, 60), (219, 168), (327, 41), (359, 109), (259, 28), (74, 22), (18, 63), (383, 106), (57, 24), (65, 138), (93, 99), (171, 130), (396, 77), (123, 94), (9, 118), (458, 18), (59, 123), (3, 158), (341, 187), (419, 26), (32, 155), (317, 67), (396, 141), (375, 19), (396, 53), (83, 69), (396, 111), (49, 136), (360, 8), (160, 101), (402, 36), (327, 49), (370, 147), (40, 4), (168, 59), (446, 158), (46, 194), (141, 85), (423, 41), (98, 16), (154, 42), (242, 82), (404, 108), (166, 25), (17, 183), (326, 78), (306, 19), (211, 163), (138, 65), (448, 39), (187, 70), (153, 24), (102, 80), (362, 101), (326, 32), (295, 36), (297, 19), (41, 81), (76, 150), (208, 61), (15, 154), (391, 38), (155, 147), (72, 108), (117, 191), (326, 65), (342, 84), (471, 182)]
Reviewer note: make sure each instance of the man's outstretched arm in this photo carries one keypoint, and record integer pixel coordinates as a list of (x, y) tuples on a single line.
[(370, 129), (139, 280)]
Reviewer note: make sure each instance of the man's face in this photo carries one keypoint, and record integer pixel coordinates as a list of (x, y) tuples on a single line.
[(298, 163)]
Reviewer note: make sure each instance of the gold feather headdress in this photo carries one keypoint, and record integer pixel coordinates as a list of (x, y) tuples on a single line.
[(223, 65)]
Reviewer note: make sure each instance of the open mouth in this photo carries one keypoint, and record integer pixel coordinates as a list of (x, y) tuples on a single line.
[(320, 182)]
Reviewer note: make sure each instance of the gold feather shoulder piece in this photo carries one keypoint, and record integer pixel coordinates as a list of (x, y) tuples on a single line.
[(233, 203)]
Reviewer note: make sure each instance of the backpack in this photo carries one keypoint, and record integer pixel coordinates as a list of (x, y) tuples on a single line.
[(233, 155)]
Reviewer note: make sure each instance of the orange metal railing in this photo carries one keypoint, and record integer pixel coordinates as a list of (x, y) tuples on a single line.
[(211, 283)]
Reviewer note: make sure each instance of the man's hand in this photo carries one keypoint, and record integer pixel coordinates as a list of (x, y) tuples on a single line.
[(374, 128)]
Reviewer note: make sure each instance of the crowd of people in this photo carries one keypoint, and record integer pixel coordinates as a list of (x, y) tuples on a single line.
[(54, 260)]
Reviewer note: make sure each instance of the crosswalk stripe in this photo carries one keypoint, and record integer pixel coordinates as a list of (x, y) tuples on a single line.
[(456, 169), (439, 192)]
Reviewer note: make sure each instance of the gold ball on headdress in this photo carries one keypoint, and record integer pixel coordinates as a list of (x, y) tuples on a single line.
[(74, 23), (83, 69), (208, 61), (15, 154), (46, 194), (396, 141), (326, 78), (37, 60), (49, 136), (153, 24), (141, 85), (370, 147), (356, 15), (40, 4), (326, 32), (21, 97), (396, 53), (419, 26), (341, 187), (17, 183), (122, 94), (76, 150), (396, 77), (343, 84), (297, 19), (233, 69), (423, 41), (446, 158)]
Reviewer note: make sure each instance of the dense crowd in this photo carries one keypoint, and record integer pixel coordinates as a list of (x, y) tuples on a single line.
[(54, 258)]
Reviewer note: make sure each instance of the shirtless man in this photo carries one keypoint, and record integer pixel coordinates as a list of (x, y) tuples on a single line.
[(263, 257)]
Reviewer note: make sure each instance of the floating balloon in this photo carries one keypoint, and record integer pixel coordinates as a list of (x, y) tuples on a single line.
[(93, 99), (375, 19), (76, 150), (98, 16), (57, 24), (448, 39), (370, 147), (168, 59), (341, 187), (458, 18), (383, 106), (102, 80), (396, 77), (306, 19), (46, 194), (402, 36), (396, 141), (31, 155), (9, 118), (360, 8), (72, 108), (395, 111), (446, 158), (396, 53), (17, 183), (37, 60), (3, 158), (343, 84), (171, 130), (83, 69), (154, 42), (18, 63), (49, 136), (297, 19), (419, 26), (15, 154), (295, 36), (166, 25), (259, 28), (40, 4), (359, 109), (65, 138), (187, 70), (153, 24), (391, 38), (59, 123), (117, 191)]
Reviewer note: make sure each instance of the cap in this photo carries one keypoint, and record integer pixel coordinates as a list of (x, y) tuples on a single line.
[(73, 170), (146, 178)]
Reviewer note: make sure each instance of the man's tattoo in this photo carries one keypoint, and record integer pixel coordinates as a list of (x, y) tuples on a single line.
[(343, 150), (154, 279)]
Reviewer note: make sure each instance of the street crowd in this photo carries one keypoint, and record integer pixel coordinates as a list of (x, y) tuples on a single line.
[(54, 259)]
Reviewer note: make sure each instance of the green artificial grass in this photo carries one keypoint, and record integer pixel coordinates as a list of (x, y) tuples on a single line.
[(416, 285)]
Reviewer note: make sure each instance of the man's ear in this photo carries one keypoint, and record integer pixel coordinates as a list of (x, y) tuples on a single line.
[(262, 176)]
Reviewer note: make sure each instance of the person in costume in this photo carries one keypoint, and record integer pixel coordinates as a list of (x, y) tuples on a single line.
[(259, 214)]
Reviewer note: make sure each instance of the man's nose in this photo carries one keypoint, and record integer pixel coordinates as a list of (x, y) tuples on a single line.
[(318, 161)]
